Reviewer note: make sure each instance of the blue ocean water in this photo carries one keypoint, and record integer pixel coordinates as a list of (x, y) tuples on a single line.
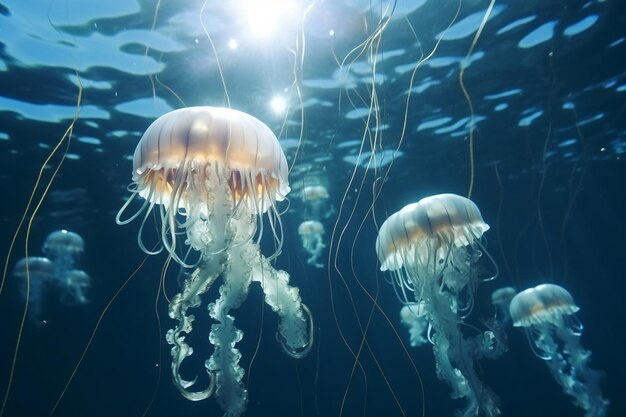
[(382, 103)]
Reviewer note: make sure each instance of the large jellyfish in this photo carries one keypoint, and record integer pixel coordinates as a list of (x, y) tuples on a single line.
[(432, 248), (311, 233), (40, 272), (211, 174), (547, 313)]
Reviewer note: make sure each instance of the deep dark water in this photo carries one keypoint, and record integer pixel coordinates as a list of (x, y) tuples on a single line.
[(555, 207)]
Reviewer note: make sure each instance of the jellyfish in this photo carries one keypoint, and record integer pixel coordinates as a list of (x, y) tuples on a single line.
[(501, 298), (316, 199), (213, 175), (311, 232), (74, 287), (414, 317), (64, 249), (547, 314), (432, 248), (40, 271)]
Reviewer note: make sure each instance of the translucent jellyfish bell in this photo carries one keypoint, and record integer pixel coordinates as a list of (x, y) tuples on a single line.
[(439, 236), (64, 249), (63, 243), (184, 149), (543, 306), (547, 313), (214, 175), (38, 267), (316, 199)]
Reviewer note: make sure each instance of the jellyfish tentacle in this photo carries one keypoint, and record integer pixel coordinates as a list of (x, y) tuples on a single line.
[(295, 330), (455, 364), (230, 392), (304, 351), (571, 369), (195, 285)]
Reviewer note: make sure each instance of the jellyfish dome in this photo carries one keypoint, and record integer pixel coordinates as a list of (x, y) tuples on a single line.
[(432, 248), (37, 266), (215, 174), (545, 303), (64, 248), (170, 163), (439, 236), (428, 228), (311, 233), (63, 241), (547, 313), (316, 200), (315, 192)]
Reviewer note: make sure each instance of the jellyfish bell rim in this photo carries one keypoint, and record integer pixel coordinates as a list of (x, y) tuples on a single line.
[(447, 215)]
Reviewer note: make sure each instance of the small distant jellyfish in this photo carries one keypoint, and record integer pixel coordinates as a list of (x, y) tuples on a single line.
[(316, 199), (41, 273), (501, 298), (64, 249), (311, 232), (213, 176), (432, 248), (75, 288), (547, 314), (415, 318)]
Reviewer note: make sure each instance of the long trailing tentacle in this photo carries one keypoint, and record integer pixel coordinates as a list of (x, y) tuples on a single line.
[(197, 284), (296, 331), (304, 351), (230, 393)]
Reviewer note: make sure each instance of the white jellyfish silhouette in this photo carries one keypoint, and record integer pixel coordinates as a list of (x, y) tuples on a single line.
[(311, 232), (64, 248), (415, 318), (316, 198)]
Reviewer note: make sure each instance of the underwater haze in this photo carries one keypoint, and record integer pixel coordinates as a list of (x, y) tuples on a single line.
[(325, 198)]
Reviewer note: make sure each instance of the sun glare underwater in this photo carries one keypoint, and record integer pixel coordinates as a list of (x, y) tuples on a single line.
[(312, 208)]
